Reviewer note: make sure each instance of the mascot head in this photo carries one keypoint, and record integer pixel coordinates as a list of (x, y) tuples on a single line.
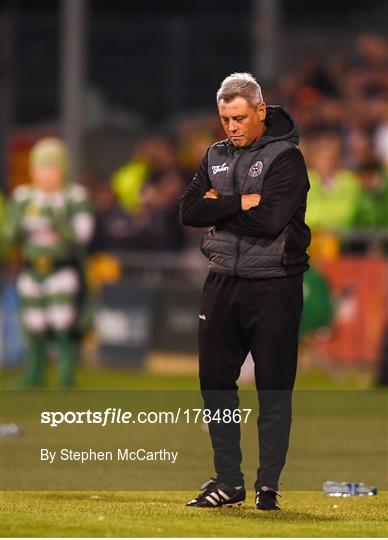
[(48, 164)]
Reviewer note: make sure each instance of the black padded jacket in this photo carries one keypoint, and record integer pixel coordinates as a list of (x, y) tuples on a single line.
[(271, 239)]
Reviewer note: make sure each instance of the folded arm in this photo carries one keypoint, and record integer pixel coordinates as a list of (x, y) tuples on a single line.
[(200, 209), (284, 188)]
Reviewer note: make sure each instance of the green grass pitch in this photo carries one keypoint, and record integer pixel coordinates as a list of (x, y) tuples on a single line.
[(163, 514), (157, 514)]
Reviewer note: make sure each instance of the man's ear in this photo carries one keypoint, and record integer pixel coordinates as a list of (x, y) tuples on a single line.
[(262, 111)]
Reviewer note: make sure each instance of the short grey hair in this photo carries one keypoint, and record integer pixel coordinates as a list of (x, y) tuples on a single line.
[(243, 85)]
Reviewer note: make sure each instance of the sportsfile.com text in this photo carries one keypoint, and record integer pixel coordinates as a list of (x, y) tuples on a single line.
[(120, 416)]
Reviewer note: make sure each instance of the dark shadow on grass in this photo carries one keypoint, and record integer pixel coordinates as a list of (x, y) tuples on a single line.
[(103, 497), (244, 512), (251, 513)]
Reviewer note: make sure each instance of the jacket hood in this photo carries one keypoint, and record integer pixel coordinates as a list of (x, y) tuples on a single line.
[(280, 127)]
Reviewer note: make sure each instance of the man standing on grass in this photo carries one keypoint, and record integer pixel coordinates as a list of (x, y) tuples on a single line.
[(251, 190)]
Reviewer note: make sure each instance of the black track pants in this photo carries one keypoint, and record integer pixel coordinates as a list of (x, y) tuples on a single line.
[(261, 316)]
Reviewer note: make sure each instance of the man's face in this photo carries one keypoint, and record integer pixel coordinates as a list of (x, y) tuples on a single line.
[(242, 122)]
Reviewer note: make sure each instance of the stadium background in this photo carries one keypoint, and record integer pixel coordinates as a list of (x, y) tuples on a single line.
[(131, 88)]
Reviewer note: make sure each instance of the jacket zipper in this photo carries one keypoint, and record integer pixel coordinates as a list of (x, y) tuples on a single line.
[(237, 257), (234, 190)]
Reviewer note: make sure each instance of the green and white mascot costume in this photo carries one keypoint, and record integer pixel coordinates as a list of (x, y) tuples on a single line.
[(52, 222)]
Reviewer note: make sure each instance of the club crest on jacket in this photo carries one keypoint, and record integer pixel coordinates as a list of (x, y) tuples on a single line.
[(256, 169)]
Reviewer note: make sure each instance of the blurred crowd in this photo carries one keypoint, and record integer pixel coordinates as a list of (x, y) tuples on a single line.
[(340, 104), (138, 208), (341, 107)]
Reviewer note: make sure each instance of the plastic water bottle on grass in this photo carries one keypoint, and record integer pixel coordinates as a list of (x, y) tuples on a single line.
[(348, 489), (10, 430)]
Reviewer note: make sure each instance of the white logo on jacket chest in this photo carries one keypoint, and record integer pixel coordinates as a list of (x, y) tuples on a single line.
[(220, 168), (256, 169)]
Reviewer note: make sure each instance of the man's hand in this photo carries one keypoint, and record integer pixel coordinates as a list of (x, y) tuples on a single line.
[(250, 201), (247, 201), (212, 194)]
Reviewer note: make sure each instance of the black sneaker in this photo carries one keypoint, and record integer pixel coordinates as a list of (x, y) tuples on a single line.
[(217, 494), (266, 499)]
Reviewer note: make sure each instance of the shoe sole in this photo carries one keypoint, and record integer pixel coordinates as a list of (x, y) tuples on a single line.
[(229, 505)]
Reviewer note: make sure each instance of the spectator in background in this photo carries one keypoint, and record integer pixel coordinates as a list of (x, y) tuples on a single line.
[(150, 155), (113, 223), (372, 205), (358, 148), (160, 197), (370, 64), (371, 211), (140, 212), (52, 223), (127, 181), (194, 137), (334, 190), (380, 137), (313, 73)]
